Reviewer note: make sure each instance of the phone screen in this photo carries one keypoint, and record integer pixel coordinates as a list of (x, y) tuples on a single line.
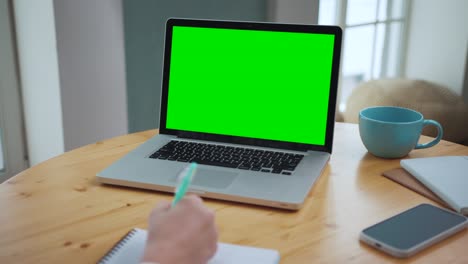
[(414, 226)]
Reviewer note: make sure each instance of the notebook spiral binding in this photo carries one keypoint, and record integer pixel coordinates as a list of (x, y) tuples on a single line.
[(117, 247)]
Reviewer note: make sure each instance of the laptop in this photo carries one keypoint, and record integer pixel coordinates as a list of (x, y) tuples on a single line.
[(253, 104)]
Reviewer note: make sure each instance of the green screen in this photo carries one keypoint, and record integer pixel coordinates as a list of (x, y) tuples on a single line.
[(250, 83)]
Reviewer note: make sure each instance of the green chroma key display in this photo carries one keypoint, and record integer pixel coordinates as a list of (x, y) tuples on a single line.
[(250, 83)]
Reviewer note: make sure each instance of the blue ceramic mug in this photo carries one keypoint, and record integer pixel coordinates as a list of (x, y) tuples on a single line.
[(392, 132)]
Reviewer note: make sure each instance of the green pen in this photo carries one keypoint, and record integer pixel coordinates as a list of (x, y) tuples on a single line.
[(185, 178)]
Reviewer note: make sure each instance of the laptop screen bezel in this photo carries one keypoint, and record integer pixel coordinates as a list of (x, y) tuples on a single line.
[(334, 30)]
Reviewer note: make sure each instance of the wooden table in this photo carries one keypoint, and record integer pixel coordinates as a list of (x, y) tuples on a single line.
[(56, 212)]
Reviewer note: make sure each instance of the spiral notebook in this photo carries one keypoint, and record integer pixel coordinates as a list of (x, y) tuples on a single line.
[(129, 250)]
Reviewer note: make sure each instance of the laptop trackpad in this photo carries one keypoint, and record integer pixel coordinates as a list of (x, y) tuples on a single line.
[(213, 178)]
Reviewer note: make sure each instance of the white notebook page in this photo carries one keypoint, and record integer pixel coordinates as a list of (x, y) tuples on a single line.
[(129, 250)]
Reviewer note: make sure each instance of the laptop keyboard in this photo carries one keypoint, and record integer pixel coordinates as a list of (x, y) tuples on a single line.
[(227, 156)]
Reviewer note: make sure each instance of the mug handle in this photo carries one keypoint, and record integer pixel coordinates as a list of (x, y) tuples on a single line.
[(440, 133)]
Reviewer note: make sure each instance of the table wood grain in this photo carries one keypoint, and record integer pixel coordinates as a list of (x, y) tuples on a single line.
[(56, 211)]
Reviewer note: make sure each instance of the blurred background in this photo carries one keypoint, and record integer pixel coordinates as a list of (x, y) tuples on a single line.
[(76, 72)]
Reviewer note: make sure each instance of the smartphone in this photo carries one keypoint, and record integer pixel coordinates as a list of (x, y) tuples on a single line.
[(413, 230)]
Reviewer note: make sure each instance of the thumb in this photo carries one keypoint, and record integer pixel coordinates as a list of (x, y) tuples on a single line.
[(163, 206), (160, 209)]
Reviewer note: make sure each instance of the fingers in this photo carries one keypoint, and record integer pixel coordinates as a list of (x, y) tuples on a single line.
[(160, 209), (197, 224), (209, 239), (214, 245), (194, 198), (189, 205), (206, 218), (163, 205), (195, 203), (189, 200)]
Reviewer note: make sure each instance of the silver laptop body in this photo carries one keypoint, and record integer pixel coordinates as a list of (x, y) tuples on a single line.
[(259, 87)]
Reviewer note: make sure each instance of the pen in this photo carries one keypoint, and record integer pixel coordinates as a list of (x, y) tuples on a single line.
[(185, 178)]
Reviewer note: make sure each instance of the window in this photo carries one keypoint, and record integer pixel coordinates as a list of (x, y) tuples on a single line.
[(12, 144), (374, 35)]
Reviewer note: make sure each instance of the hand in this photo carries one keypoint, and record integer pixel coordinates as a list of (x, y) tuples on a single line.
[(183, 234)]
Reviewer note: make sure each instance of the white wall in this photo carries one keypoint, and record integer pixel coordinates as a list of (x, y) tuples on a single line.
[(297, 11), (437, 42), (92, 70), (73, 69), (35, 32)]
